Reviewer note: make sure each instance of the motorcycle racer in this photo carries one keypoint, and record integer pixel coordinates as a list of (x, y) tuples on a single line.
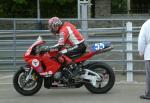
[(68, 36)]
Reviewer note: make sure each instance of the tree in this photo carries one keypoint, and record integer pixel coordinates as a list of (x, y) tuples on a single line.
[(118, 6), (28, 8)]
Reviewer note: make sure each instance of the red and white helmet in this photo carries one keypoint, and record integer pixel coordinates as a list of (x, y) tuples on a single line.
[(54, 24)]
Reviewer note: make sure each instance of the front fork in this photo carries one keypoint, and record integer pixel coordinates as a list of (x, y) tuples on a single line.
[(93, 77), (29, 75)]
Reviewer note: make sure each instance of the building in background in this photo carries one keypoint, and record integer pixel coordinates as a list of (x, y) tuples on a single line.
[(101, 8)]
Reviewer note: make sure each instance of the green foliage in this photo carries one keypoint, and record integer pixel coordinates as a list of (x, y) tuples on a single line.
[(119, 6), (20, 1), (61, 2), (28, 8), (68, 9)]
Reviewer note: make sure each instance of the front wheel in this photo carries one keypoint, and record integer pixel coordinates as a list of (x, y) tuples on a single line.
[(107, 75), (29, 87)]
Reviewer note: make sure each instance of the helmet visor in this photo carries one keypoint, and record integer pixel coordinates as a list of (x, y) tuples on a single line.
[(52, 29)]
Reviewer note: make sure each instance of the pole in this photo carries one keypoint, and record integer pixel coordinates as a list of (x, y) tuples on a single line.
[(38, 14), (14, 43), (38, 9), (128, 7), (129, 52), (78, 6), (84, 17)]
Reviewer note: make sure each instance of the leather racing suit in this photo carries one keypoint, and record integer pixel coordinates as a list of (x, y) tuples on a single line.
[(71, 38)]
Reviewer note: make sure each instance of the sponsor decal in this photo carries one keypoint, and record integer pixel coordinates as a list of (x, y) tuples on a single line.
[(35, 62), (46, 74)]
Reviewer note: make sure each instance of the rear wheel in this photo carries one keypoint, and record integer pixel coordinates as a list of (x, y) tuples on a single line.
[(107, 75), (29, 87)]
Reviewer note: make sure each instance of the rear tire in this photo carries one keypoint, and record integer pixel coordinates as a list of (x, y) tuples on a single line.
[(17, 83), (109, 71)]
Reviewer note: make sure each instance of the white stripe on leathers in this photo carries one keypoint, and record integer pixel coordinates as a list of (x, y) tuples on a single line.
[(72, 36)]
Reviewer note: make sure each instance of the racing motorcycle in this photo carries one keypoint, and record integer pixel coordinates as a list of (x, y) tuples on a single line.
[(52, 71)]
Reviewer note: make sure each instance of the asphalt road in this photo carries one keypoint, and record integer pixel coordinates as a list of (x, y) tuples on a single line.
[(122, 92)]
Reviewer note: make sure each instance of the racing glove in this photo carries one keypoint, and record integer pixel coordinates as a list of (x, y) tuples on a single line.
[(42, 49), (45, 48)]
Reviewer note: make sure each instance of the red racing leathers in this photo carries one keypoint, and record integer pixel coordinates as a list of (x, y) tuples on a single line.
[(70, 38), (69, 35)]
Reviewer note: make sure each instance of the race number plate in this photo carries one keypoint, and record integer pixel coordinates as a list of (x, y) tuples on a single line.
[(99, 46)]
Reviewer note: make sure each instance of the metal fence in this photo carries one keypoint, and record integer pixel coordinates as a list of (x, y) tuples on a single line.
[(14, 40)]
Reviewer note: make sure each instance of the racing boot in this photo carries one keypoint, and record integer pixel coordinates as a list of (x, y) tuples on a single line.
[(47, 82), (75, 69)]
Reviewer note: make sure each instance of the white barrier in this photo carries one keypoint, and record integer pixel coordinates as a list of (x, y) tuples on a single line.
[(129, 54)]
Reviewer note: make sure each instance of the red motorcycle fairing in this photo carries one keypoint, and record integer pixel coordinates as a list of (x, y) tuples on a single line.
[(45, 60), (45, 64), (36, 43), (85, 57), (91, 53), (37, 62)]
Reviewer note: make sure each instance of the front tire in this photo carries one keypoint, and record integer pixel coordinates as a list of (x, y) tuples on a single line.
[(31, 87), (105, 71)]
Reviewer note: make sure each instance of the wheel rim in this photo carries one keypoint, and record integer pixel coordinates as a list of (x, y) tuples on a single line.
[(26, 85), (105, 77)]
